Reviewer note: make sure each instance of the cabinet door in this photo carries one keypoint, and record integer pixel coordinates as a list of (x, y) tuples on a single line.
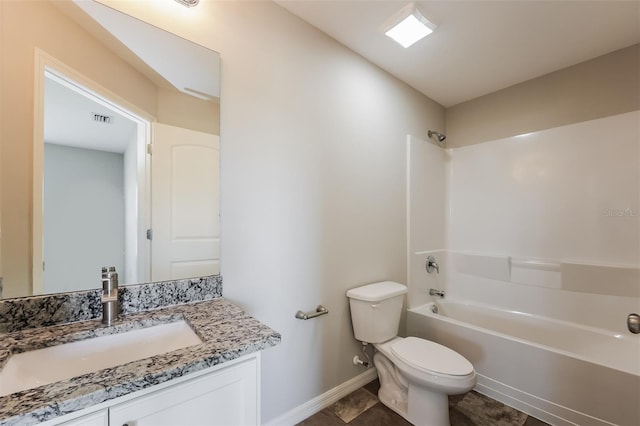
[(101, 418), (225, 397)]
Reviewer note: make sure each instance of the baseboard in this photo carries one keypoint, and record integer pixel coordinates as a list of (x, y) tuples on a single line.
[(320, 402), (532, 405)]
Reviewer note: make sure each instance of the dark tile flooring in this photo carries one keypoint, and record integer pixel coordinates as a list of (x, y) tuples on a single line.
[(362, 408)]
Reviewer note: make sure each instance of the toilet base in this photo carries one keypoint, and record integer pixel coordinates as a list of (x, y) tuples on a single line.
[(427, 407), (418, 405), (397, 405), (393, 393), (431, 409)]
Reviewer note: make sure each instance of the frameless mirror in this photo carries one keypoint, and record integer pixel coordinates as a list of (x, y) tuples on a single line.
[(109, 150)]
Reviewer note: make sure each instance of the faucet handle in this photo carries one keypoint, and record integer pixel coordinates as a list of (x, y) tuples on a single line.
[(114, 277), (109, 281), (110, 306), (432, 265)]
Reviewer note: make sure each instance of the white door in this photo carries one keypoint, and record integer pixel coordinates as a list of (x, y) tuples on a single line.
[(185, 206)]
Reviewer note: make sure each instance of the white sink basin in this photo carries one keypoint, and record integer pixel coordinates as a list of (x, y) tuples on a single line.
[(44, 366)]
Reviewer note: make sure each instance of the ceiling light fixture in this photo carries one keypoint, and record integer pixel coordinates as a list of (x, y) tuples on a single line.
[(408, 26), (188, 3)]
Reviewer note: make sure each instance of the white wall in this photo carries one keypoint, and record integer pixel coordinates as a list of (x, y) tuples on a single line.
[(313, 181), (83, 216), (427, 210), (547, 222), (551, 194)]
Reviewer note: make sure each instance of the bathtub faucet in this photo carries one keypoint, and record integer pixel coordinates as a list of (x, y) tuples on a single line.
[(434, 292), (432, 264)]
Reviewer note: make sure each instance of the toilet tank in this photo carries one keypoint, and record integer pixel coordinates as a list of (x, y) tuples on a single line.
[(375, 310)]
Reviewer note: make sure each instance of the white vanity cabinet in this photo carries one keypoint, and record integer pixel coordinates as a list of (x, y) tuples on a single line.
[(226, 397), (222, 395), (100, 418)]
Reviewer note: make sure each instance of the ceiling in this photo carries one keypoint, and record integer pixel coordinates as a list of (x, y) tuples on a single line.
[(187, 66), (68, 121), (479, 46)]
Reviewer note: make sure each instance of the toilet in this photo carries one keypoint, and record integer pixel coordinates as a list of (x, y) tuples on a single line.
[(416, 375)]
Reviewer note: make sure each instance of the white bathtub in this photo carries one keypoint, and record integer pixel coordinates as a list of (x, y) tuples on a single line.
[(560, 372)]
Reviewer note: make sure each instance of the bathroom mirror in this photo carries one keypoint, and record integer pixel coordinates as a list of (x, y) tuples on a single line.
[(109, 149)]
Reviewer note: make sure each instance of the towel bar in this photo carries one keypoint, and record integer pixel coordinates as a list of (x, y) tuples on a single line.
[(320, 310)]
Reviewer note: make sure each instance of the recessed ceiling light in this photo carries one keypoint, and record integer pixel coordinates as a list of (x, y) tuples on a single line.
[(409, 26)]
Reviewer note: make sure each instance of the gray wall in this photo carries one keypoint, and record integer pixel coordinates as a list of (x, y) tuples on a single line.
[(83, 216), (604, 86)]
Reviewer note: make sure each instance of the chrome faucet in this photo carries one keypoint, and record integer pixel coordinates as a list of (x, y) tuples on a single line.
[(110, 306), (432, 264), (435, 292)]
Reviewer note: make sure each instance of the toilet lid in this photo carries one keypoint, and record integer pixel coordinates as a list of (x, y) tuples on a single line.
[(428, 356)]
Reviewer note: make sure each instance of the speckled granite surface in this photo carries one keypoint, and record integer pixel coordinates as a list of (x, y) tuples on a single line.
[(50, 309), (226, 331)]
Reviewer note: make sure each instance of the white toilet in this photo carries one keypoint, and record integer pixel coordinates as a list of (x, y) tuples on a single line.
[(416, 375)]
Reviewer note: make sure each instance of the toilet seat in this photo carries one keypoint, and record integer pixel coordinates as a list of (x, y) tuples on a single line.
[(423, 365), (431, 357)]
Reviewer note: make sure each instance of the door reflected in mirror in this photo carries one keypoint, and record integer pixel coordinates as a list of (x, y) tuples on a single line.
[(125, 151), (94, 197)]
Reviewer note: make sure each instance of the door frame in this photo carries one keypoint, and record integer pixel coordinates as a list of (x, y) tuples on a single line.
[(47, 66)]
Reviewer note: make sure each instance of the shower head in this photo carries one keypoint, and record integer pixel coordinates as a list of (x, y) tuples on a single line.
[(440, 137)]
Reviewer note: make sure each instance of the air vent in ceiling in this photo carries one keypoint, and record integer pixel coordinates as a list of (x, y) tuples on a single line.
[(101, 118)]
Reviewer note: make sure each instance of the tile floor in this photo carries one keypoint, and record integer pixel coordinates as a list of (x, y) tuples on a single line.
[(362, 408)]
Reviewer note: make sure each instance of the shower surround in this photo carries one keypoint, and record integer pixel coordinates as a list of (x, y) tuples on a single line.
[(543, 225)]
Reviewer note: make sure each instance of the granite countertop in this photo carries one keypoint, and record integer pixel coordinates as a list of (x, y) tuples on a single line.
[(226, 331)]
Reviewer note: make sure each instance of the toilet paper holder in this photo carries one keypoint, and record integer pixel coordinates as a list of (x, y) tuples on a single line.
[(320, 310)]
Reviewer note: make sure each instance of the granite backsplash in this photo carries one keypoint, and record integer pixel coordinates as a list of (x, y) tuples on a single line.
[(52, 309)]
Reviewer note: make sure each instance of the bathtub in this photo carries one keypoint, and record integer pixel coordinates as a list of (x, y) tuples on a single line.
[(560, 372)]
